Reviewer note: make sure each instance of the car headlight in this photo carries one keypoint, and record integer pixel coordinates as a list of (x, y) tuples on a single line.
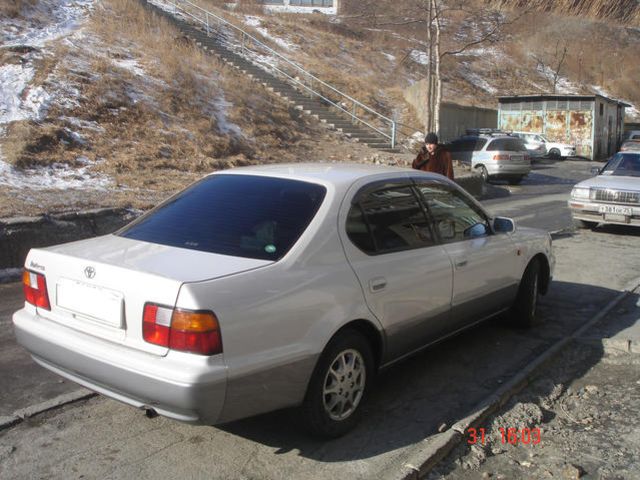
[(580, 192)]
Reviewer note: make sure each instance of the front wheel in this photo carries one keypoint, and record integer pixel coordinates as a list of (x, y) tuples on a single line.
[(338, 386), (526, 304)]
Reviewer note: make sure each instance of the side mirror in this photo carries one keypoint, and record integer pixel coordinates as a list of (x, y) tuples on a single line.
[(595, 170), (503, 225)]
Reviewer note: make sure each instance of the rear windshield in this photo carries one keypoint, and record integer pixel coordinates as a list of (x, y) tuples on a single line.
[(240, 215), (509, 144)]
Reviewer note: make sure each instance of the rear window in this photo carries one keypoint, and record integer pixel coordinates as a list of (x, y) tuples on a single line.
[(509, 144), (240, 215)]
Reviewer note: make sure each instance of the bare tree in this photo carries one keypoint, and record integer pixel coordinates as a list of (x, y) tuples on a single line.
[(551, 64), (486, 28)]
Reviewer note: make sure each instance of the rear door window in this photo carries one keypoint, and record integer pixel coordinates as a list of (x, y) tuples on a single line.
[(388, 219), (240, 215)]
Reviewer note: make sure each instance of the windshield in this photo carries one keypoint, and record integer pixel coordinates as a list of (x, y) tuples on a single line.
[(623, 164), (240, 215)]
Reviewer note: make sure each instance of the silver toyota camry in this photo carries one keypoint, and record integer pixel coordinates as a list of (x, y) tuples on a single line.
[(261, 288)]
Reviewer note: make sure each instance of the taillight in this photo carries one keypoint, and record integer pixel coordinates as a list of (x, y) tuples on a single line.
[(501, 157), (179, 329), (35, 289), (526, 158)]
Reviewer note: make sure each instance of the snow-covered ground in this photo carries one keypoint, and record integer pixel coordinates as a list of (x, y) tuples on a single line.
[(255, 22), (20, 100)]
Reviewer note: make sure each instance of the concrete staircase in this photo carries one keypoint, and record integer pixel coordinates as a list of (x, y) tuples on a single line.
[(310, 104)]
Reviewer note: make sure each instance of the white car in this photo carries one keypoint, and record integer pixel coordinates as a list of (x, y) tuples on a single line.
[(495, 155), (268, 287), (613, 196), (539, 145)]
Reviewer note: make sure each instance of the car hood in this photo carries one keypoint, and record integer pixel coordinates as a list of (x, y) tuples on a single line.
[(179, 264), (611, 181)]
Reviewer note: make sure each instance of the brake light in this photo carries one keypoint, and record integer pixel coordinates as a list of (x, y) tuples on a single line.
[(526, 158), (180, 329), (501, 157), (35, 289)]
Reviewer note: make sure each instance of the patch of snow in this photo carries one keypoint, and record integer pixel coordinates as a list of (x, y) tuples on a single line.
[(388, 56), (479, 82), (255, 22), (56, 176), (252, 21), (63, 17), (419, 56), (83, 124), (130, 65), (224, 125), (293, 9), (17, 100)]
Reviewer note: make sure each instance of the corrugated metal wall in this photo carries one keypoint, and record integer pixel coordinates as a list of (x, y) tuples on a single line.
[(593, 126)]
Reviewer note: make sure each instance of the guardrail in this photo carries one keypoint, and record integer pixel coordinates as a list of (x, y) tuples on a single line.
[(252, 48)]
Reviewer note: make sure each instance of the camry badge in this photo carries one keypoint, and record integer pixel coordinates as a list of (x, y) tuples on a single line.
[(89, 272)]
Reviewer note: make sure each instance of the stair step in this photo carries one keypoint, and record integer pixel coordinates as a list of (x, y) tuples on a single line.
[(221, 46)]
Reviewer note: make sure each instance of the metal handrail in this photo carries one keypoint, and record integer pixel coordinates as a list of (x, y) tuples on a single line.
[(392, 136)]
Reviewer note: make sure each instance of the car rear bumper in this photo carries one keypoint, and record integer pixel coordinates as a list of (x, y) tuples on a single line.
[(189, 388), (502, 170), (590, 212)]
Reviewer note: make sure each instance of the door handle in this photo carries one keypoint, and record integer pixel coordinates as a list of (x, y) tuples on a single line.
[(461, 262), (377, 284)]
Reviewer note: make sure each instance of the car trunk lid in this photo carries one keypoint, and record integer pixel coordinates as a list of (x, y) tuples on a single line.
[(100, 286)]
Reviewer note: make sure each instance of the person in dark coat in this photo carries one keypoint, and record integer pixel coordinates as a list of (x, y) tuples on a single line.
[(434, 157)]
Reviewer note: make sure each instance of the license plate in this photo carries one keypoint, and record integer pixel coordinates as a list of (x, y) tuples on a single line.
[(96, 303), (517, 158), (612, 217), (615, 210)]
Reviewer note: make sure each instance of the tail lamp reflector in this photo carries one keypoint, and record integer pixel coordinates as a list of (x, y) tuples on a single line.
[(35, 289), (184, 330), (501, 157)]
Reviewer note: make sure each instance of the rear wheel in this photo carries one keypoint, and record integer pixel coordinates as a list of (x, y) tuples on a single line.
[(526, 304), (483, 173), (554, 153), (339, 385)]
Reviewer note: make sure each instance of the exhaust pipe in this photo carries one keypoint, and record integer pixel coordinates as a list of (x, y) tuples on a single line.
[(150, 412)]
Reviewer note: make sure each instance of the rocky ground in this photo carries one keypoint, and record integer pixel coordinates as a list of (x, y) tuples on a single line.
[(580, 418)]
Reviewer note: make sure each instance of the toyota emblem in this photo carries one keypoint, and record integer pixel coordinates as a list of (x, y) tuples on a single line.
[(89, 272)]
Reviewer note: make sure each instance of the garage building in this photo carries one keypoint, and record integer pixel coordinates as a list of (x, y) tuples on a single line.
[(595, 124)]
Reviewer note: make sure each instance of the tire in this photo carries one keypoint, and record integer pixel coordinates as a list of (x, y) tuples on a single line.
[(483, 173), (526, 304), (555, 154), (338, 386), (515, 180), (583, 224)]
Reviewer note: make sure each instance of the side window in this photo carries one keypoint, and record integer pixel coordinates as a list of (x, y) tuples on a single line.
[(455, 217), (478, 144), (387, 220)]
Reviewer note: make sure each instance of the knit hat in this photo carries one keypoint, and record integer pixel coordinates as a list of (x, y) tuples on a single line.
[(431, 138)]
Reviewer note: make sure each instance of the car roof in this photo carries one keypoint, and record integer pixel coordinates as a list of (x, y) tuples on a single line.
[(337, 174)]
